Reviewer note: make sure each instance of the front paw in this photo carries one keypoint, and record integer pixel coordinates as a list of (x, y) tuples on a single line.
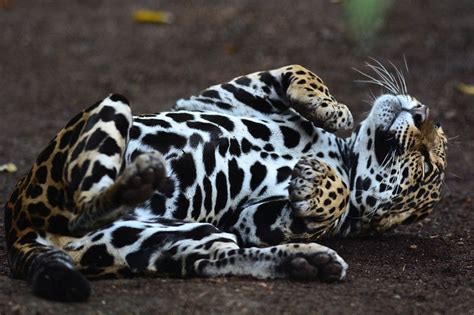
[(304, 189), (317, 195)]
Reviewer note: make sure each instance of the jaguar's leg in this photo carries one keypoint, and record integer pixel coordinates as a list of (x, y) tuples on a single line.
[(185, 249), (298, 261), (317, 199), (272, 92), (49, 270), (102, 186), (78, 182)]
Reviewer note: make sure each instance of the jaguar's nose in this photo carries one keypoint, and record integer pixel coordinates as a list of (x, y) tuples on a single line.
[(420, 114)]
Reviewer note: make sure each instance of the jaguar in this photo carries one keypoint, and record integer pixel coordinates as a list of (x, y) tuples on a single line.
[(240, 180)]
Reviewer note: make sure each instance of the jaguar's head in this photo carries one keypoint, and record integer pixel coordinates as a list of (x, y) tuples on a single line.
[(398, 164)]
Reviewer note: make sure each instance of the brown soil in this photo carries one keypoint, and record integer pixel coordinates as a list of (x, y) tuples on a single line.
[(56, 57)]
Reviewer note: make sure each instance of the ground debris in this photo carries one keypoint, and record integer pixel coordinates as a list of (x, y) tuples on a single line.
[(9, 168), (465, 88), (153, 17)]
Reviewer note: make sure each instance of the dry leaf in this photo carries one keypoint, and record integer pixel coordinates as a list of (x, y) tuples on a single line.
[(465, 88), (9, 167), (154, 17)]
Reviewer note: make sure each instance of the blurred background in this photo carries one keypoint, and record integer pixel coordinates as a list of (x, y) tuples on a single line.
[(58, 57)]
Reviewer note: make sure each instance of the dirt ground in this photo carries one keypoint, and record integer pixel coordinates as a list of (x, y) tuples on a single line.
[(57, 57)]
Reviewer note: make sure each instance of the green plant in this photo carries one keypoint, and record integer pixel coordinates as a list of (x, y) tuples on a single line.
[(365, 19)]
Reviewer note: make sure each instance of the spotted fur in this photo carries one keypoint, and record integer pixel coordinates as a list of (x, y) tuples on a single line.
[(238, 180)]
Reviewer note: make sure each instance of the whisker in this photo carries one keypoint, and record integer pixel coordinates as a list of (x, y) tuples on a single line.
[(380, 69), (392, 81), (457, 176), (454, 137), (373, 80), (403, 85)]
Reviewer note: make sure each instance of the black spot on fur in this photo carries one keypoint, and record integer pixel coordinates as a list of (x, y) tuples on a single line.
[(234, 147), (245, 81), (246, 145), (97, 256), (119, 98), (58, 224), (265, 216), (272, 82), (55, 197), (211, 94), (125, 235), (209, 157), (182, 206), (97, 237), (95, 139), (236, 176), (98, 171), (213, 130), (283, 173), (122, 124), (109, 147), (197, 203), (158, 204), (135, 132), (38, 209), (207, 194), (371, 201), (258, 171), (291, 138), (46, 153), (223, 105), (164, 141), (180, 117), (220, 120), (58, 166), (185, 170), (253, 101), (268, 147), (222, 192), (153, 122), (65, 138), (195, 140), (257, 130), (369, 144), (33, 190), (223, 146)]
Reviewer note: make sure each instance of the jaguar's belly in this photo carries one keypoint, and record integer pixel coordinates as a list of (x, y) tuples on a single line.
[(217, 164)]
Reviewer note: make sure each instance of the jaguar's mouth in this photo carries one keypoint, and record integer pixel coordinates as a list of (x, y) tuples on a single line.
[(385, 144), (390, 136)]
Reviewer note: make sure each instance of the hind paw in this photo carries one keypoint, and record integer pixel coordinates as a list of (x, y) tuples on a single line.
[(145, 175), (60, 283)]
